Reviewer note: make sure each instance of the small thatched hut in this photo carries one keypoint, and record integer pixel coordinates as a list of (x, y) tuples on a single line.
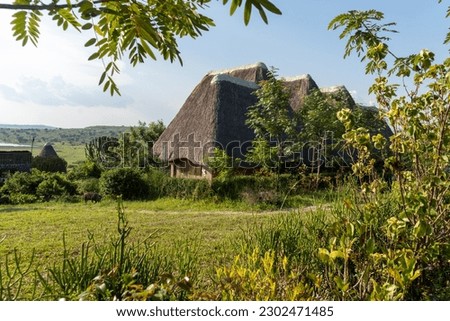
[(48, 151), (49, 161)]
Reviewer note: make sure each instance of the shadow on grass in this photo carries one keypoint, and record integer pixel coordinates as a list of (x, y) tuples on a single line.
[(12, 209)]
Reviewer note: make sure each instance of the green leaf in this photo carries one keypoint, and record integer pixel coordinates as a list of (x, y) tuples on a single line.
[(90, 42), (324, 255), (343, 286), (67, 16), (102, 78), (270, 6), (234, 5), (95, 55), (262, 13), (147, 49), (337, 254), (247, 12), (87, 26)]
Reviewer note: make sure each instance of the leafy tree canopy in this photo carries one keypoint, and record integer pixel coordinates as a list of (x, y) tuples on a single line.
[(133, 28), (410, 258)]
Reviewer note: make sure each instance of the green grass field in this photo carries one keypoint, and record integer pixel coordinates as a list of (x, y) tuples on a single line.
[(212, 231), (73, 154), (41, 226)]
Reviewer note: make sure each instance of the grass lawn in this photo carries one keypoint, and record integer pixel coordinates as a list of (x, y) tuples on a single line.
[(40, 227), (72, 154), (211, 230)]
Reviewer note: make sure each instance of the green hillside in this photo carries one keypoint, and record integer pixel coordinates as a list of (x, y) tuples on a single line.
[(72, 136)]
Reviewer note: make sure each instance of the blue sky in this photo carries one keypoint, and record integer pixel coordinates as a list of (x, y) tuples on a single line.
[(55, 85)]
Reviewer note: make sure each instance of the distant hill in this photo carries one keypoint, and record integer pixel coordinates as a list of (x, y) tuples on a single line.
[(23, 134), (10, 126)]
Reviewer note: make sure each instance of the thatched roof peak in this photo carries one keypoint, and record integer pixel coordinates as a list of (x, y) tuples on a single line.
[(255, 72), (234, 80), (340, 91), (334, 89), (258, 65), (48, 151), (295, 78)]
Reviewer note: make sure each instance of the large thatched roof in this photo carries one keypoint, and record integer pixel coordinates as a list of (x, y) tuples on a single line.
[(214, 114), (48, 151)]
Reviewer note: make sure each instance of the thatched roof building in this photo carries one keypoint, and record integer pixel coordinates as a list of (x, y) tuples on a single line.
[(15, 161), (214, 115)]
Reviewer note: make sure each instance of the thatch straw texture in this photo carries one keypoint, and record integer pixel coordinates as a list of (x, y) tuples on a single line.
[(254, 73), (300, 87), (213, 115), (341, 93), (48, 151)]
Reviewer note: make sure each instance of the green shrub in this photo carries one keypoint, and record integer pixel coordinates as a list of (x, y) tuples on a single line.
[(397, 249), (23, 188), (185, 188), (88, 185), (126, 182), (19, 198), (54, 186), (22, 183), (260, 276), (4, 199), (85, 170), (49, 164), (254, 189)]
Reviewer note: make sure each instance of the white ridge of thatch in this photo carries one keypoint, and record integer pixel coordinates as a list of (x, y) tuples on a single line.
[(295, 78), (333, 89), (226, 71), (237, 81)]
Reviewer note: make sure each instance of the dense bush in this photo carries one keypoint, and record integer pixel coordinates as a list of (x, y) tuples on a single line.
[(184, 188), (35, 186), (88, 185), (254, 188), (54, 186), (49, 164), (129, 183), (22, 183), (84, 170)]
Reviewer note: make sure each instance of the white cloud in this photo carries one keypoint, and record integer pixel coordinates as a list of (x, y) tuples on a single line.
[(67, 116), (57, 92)]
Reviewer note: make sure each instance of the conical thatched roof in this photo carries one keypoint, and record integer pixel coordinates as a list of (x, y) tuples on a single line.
[(48, 151)]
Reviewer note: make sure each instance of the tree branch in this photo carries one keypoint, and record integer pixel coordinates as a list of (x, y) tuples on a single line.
[(47, 7)]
